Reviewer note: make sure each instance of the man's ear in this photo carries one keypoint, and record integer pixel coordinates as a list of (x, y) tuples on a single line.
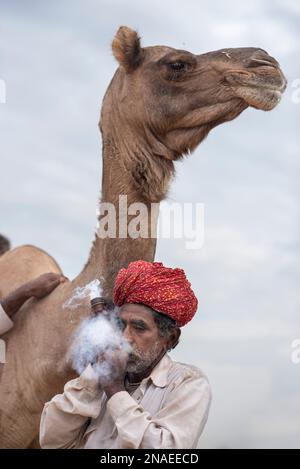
[(127, 49), (174, 338)]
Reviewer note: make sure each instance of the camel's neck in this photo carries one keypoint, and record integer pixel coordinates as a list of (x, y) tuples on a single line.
[(131, 174)]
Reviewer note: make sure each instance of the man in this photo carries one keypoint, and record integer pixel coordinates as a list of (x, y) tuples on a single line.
[(37, 288), (149, 401)]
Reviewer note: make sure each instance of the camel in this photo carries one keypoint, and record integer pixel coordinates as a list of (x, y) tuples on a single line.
[(160, 104), (31, 262)]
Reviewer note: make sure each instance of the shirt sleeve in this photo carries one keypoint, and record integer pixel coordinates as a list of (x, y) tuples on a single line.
[(5, 322), (178, 425), (65, 417)]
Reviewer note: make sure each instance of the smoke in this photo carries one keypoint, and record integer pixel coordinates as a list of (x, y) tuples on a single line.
[(94, 337), (91, 290)]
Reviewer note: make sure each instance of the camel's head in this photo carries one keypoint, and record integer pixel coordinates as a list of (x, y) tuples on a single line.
[(179, 96)]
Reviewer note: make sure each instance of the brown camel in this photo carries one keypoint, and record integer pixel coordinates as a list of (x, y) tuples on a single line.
[(31, 262), (161, 103)]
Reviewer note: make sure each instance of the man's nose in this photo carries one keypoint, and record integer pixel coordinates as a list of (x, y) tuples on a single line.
[(261, 58), (127, 335)]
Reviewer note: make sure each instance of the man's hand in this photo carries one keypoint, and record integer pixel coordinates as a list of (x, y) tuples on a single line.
[(117, 361), (44, 285), (38, 288)]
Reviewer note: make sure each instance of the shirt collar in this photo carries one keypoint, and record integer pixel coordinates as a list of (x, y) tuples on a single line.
[(159, 375)]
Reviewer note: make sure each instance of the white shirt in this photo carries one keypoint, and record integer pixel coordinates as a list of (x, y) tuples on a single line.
[(169, 409), (5, 322)]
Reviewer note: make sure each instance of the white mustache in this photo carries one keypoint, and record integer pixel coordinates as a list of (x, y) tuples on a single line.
[(134, 356)]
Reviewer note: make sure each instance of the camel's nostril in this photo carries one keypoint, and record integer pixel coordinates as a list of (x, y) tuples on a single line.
[(261, 62), (261, 58)]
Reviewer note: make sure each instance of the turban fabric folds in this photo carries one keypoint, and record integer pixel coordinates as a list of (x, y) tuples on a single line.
[(163, 289)]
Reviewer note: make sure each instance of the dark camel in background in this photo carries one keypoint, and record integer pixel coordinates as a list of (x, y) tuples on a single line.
[(161, 103), (4, 245)]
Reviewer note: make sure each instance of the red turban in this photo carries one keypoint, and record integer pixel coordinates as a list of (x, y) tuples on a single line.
[(161, 288)]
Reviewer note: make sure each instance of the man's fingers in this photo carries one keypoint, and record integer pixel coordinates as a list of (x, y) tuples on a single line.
[(63, 279), (54, 283), (48, 276), (54, 280), (51, 276)]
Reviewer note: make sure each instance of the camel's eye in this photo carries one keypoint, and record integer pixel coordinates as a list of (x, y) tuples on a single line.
[(176, 70), (178, 66)]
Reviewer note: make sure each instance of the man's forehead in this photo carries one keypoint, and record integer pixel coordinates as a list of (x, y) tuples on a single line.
[(136, 311)]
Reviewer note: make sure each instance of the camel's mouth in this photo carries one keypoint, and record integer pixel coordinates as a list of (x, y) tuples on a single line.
[(261, 90), (265, 98)]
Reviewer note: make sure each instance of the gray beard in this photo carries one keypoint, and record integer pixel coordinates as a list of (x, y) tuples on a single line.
[(138, 362)]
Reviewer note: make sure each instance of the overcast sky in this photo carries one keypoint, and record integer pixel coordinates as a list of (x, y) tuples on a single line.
[(56, 61)]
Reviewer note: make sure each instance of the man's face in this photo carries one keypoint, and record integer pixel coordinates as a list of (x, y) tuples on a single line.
[(140, 330)]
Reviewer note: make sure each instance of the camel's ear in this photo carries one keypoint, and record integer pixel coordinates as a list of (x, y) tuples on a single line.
[(127, 49)]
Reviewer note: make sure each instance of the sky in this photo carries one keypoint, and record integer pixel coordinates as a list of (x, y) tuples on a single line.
[(56, 62)]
